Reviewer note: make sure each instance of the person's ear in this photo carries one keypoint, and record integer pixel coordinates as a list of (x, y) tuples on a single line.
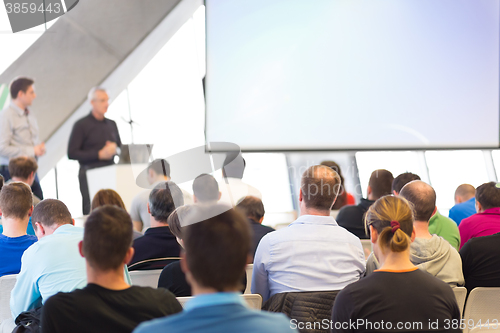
[(80, 248), (394, 193), (195, 200), (149, 211), (301, 195), (0, 212), (184, 264), (261, 219), (373, 234), (72, 221), (369, 190), (479, 207), (129, 255), (30, 212), (220, 194), (39, 230), (413, 234), (435, 210)]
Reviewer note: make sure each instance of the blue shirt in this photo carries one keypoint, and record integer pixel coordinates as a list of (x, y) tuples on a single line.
[(463, 210), (11, 250), (313, 253), (219, 312)]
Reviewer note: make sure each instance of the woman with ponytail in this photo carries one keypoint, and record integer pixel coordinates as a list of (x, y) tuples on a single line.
[(398, 297)]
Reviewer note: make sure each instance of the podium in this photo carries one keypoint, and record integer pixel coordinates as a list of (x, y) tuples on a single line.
[(118, 177)]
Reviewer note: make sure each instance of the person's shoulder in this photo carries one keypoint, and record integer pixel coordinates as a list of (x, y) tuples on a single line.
[(160, 294), (67, 298), (271, 322), (171, 323)]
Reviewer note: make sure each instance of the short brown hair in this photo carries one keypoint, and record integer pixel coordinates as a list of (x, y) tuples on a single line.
[(20, 84), (16, 200), (422, 197), (251, 207), (1, 182), (402, 180), (50, 212), (107, 237), (381, 183), (107, 197), (228, 237), (22, 167), (313, 184), (175, 219), (465, 191), (488, 195)]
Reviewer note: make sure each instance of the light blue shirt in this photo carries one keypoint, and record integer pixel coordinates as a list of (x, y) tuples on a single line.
[(219, 312), (312, 254)]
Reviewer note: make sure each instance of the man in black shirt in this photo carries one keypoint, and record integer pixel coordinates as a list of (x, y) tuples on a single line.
[(94, 141), (107, 303)]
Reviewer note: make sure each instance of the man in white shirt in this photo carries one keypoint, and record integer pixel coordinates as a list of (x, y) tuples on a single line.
[(313, 253)]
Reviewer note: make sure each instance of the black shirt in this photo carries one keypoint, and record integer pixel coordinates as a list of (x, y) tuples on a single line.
[(88, 136), (157, 242), (414, 297), (352, 218), (481, 262), (259, 231), (97, 309)]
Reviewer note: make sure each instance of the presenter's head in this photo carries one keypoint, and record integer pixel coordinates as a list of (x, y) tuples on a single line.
[(22, 91), (99, 99)]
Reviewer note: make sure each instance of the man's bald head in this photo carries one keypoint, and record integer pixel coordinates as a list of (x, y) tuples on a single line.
[(320, 186), (464, 193), (423, 198)]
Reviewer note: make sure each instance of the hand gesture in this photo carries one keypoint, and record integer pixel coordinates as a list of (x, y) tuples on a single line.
[(40, 149)]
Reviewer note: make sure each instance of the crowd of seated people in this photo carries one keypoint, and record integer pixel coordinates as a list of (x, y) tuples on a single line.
[(76, 279)]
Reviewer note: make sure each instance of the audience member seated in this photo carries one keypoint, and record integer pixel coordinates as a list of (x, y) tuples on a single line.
[(110, 197), (351, 217), (344, 198), (52, 264), (438, 224), (253, 209), (215, 278), (23, 169), (487, 220), (158, 241), (158, 172), (465, 203), (107, 303), (233, 188), (313, 253), (429, 253), (481, 262), (16, 206), (398, 292), (205, 189)]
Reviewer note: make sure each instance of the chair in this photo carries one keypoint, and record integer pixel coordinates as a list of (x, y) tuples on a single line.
[(7, 283), (483, 305), (253, 300), (146, 278), (460, 295), (151, 264), (367, 247), (249, 272)]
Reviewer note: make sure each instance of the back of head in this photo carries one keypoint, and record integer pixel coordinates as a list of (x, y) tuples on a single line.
[(465, 191), (422, 197), (381, 183), (50, 212), (163, 200), (20, 84), (16, 200), (234, 166), (160, 167), (1, 182), (386, 211), (107, 237), (488, 195), (320, 186), (228, 237), (107, 197), (251, 207), (402, 180), (22, 167), (175, 219), (342, 199), (206, 188)]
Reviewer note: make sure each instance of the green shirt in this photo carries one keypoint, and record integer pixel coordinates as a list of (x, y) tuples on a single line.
[(445, 227)]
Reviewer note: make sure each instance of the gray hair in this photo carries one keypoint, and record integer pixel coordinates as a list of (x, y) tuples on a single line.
[(92, 92)]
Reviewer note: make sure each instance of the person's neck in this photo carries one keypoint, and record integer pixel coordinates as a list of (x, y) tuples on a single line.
[(156, 224), (14, 227), (371, 197), (20, 105), (311, 211), (97, 115), (422, 229), (396, 261), (197, 289), (112, 279), (17, 179)]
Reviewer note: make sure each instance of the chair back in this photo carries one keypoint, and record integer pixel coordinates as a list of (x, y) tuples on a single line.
[(483, 305), (146, 278), (253, 300), (367, 247), (151, 264), (249, 272), (460, 295), (7, 283)]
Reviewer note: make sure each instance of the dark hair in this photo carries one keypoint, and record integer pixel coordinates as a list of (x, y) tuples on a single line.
[(234, 166), (160, 167), (16, 200), (402, 180), (342, 196), (206, 188), (382, 213), (49, 212), (381, 182), (227, 236), (422, 197), (107, 197), (465, 191), (175, 219), (1, 182), (313, 184), (488, 195), (163, 200), (22, 167), (20, 84), (251, 207), (107, 237)]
